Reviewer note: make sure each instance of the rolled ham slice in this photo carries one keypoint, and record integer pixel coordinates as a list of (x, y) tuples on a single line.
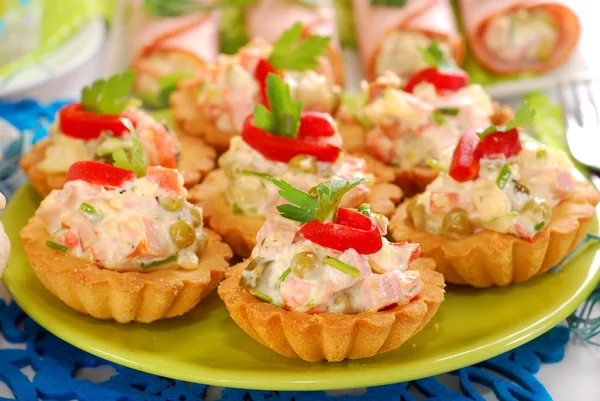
[(434, 18), (477, 13), (268, 19), (165, 45)]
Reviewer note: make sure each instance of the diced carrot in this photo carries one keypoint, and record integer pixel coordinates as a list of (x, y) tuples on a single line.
[(166, 178)]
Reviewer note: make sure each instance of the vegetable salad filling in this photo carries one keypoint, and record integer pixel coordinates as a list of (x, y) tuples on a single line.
[(529, 35), (93, 129), (400, 53), (232, 85), (337, 261), (493, 182), (407, 124), (300, 147), (107, 216)]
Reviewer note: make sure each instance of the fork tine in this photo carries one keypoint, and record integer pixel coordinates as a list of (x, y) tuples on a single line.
[(567, 105), (591, 90), (586, 110)]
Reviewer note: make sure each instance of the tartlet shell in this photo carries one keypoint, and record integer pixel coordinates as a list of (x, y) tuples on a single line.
[(489, 258), (197, 159), (190, 118), (411, 180), (239, 231), (126, 296), (332, 336)]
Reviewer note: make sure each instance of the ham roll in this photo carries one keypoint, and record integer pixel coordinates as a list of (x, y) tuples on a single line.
[(268, 19), (390, 38), (511, 36), (170, 46)]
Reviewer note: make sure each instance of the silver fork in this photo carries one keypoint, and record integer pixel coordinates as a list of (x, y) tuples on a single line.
[(582, 119)]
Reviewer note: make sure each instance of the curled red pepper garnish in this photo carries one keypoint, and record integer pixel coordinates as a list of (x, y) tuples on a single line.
[(99, 174), (281, 148), (351, 230), (465, 159), (452, 80), (78, 123), (505, 144), (263, 69)]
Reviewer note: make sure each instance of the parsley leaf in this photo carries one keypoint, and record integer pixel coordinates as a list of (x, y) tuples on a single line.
[(108, 96), (523, 117), (121, 159), (294, 53), (435, 57), (389, 3), (330, 194), (168, 83), (489, 130), (284, 117), (436, 165)]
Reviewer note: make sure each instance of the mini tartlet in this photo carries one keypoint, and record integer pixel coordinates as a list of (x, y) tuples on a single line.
[(328, 286), (501, 212), (93, 130), (401, 125), (304, 150), (214, 104), (114, 246)]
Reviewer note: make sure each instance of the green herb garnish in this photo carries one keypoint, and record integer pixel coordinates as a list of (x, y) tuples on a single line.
[(389, 3), (236, 209), (353, 102), (448, 111), (135, 162), (262, 297), (108, 96), (489, 130), (436, 165), (435, 57), (284, 117), (170, 259), (341, 266), (292, 52), (329, 195), (285, 274), (87, 208), (523, 117), (57, 246), (365, 209), (167, 84), (539, 225), (503, 176)]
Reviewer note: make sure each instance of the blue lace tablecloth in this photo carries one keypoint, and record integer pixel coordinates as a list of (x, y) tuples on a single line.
[(35, 364)]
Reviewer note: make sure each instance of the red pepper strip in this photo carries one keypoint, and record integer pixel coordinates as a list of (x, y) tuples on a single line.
[(78, 123), (99, 174), (351, 230), (282, 149), (315, 124), (506, 144), (263, 69), (442, 80), (465, 159)]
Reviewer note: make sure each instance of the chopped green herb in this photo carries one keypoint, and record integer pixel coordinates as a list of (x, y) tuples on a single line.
[(541, 154), (108, 96), (435, 57), (285, 274), (170, 259), (365, 209), (236, 209), (341, 266), (438, 118), (87, 208), (503, 176), (136, 162), (284, 117), (539, 225), (57, 246), (295, 52), (436, 165), (389, 3), (448, 111), (262, 297), (263, 241)]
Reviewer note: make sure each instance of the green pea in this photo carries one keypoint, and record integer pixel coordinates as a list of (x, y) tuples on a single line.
[(303, 263), (182, 234), (196, 216), (251, 275), (456, 224), (303, 164), (537, 207), (172, 203)]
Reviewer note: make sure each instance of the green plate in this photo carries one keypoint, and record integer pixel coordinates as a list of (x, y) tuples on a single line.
[(206, 346)]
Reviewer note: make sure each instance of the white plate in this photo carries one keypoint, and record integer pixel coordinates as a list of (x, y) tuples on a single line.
[(71, 54)]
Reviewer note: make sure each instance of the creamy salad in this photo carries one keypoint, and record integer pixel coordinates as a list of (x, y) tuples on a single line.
[(143, 225), (255, 196), (522, 35), (406, 130), (513, 195), (400, 52), (229, 89), (4, 241), (294, 273), (156, 65), (160, 147)]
